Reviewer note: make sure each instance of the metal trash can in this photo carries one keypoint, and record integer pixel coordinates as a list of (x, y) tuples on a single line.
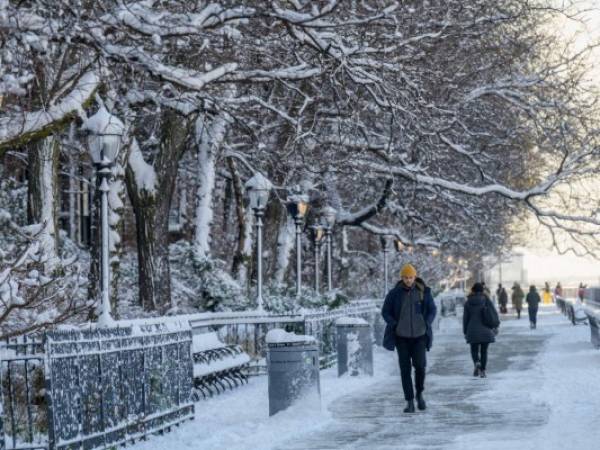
[(354, 346), (293, 370)]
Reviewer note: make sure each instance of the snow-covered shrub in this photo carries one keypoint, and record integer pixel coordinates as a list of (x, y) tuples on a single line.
[(31, 295), (202, 285), (283, 300)]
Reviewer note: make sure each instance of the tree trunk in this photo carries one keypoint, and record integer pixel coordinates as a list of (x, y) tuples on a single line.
[(285, 243), (150, 190), (42, 196), (245, 218), (208, 140)]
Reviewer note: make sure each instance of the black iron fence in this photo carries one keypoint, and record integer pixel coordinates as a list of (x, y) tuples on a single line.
[(23, 423), (249, 329), (94, 388)]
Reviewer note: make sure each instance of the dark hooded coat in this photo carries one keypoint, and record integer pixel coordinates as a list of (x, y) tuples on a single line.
[(474, 329), (393, 305)]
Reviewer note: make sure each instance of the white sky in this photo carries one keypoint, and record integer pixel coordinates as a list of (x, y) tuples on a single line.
[(542, 262)]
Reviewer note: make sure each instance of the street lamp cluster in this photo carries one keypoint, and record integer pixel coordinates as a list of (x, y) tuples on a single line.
[(258, 189), (105, 134)]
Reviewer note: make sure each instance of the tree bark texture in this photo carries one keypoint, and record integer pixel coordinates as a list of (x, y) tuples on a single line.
[(151, 210)]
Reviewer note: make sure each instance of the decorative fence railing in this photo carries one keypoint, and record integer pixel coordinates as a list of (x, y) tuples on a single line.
[(94, 388), (592, 311), (248, 329), (321, 325), (97, 388)]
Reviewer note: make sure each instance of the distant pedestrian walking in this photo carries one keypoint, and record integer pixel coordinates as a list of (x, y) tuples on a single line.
[(517, 298), (546, 294), (558, 291), (533, 301), (502, 297), (480, 321), (409, 311)]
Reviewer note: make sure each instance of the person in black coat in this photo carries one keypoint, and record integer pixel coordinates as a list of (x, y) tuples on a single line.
[(409, 311), (533, 301), (502, 299), (478, 333)]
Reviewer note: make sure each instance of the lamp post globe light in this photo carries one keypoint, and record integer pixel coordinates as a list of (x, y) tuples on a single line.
[(105, 132), (297, 206), (258, 189), (329, 216), (318, 232)]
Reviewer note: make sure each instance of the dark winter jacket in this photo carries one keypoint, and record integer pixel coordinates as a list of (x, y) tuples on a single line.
[(502, 296), (392, 308), (473, 328), (533, 299), (517, 297)]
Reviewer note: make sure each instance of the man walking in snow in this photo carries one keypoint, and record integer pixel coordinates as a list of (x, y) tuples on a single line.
[(409, 311)]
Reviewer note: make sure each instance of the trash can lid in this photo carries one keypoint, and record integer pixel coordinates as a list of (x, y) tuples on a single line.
[(351, 321), (280, 336)]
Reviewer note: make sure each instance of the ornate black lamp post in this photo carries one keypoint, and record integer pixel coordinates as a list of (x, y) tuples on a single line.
[(258, 189), (297, 207), (318, 232), (329, 215), (105, 132)]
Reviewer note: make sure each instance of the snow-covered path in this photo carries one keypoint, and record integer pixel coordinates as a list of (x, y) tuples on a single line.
[(542, 391)]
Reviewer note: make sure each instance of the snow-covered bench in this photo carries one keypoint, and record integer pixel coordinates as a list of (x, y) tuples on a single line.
[(217, 366), (573, 309)]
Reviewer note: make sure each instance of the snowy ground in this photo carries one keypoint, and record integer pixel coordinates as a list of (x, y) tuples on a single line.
[(542, 392)]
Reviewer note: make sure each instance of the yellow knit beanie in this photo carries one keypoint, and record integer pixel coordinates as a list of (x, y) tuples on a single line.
[(408, 271)]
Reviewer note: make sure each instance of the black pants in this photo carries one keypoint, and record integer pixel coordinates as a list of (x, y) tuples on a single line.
[(412, 352), (532, 314), (518, 313), (479, 354)]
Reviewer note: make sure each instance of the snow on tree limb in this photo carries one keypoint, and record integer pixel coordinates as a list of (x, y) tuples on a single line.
[(187, 78), (414, 174), (144, 173), (18, 129)]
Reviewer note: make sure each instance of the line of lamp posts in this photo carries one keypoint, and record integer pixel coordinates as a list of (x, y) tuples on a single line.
[(258, 189), (104, 138)]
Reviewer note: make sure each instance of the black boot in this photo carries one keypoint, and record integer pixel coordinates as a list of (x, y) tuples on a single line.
[(477, 369), (410, 407), (482, 373), (421, 402)]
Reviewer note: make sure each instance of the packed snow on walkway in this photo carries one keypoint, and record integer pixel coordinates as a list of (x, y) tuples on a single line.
[(558, 386), (564, 380)]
